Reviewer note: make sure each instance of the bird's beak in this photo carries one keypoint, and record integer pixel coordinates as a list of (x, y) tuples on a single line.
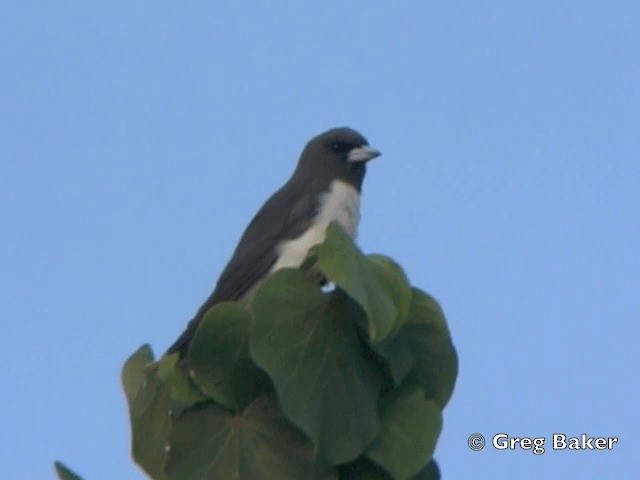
[(362, 154)]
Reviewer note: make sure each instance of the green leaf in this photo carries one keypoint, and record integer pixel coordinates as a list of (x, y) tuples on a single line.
[(309, 345), (396, 285), (430, 472), (210, 443), (219, 357), (174, 376), (421, 352), (363, 279), (65, 473), (149, 411), (134, 372), (364, 469), (410, 427)]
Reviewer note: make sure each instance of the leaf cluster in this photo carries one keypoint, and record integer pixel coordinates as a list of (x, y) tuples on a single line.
[(301, 382)]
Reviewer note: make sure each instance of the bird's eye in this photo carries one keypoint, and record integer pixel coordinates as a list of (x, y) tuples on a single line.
[(338, 147)]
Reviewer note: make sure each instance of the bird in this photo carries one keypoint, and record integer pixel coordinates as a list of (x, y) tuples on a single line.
[(325, 186)]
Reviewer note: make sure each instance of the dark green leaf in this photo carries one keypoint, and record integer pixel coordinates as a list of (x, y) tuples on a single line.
[(342, 262), (134, 372), (149, 411), (211, 443), (394, 281), (410, 427), (422, 350), (308, 343), (65, 473), (182, 388), (362, 468), (219, 357), (430, 472)]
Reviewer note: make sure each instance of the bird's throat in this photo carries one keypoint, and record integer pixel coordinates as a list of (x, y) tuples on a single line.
[(340, 203)]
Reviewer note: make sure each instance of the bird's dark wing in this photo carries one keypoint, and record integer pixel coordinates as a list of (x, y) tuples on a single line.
[(286, 215)]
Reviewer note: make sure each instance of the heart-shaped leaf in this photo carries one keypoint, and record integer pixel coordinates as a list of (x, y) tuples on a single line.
[(219, 357), (410, 427), (421, 352), (364, 280), (308, 343), (149, 410), (208, 442)]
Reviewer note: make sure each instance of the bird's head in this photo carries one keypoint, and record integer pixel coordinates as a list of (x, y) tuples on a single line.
[(339, 153)]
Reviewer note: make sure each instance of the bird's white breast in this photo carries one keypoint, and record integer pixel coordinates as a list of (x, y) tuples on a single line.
[(341, 203)]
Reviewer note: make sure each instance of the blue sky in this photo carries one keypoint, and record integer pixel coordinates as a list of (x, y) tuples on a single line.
[(138, 138)]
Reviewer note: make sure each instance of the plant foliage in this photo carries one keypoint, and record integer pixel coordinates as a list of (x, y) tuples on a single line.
[(301, 382), (64, 472)]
